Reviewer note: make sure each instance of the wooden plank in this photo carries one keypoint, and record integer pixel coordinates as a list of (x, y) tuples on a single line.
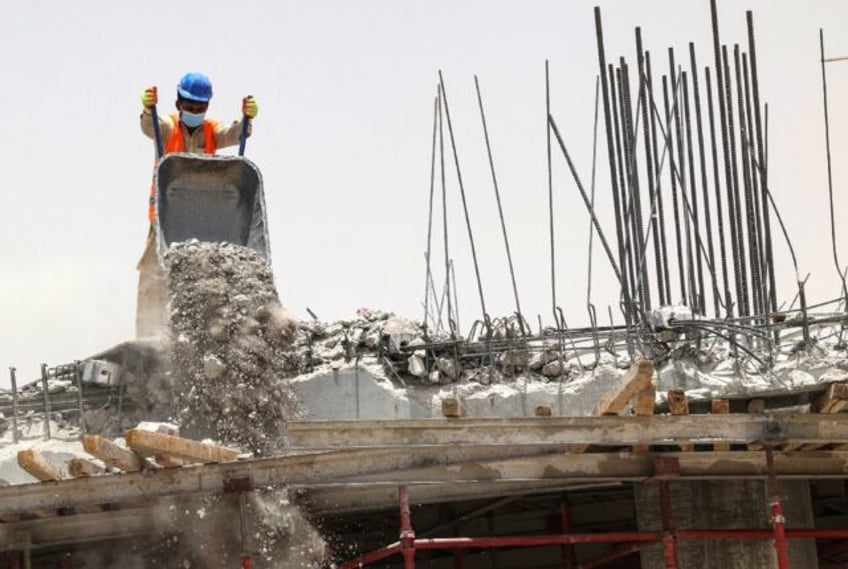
[(643, 406), (738, 428), (112, 454), (636, 379), (396, 466), (166, 461), (452, 408), (37, 466), (678, 405), (80, 467), (720, 407), (543, 411), (833, 400), (178, 447)]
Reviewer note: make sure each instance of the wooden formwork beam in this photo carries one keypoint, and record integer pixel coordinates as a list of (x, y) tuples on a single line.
[(720, 407), (636, 379), (37, 466), (643, 406), (148, 442), (678, 404), (112, 454), (81, 467)]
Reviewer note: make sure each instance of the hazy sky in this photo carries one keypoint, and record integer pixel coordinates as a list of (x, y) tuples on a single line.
[(343, 142)]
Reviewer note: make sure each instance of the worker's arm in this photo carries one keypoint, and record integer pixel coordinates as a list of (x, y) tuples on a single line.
[(147, 126), (229, 134)]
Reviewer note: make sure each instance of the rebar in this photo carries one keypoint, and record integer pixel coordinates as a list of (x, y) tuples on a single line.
[(498, 198), (628, 272), (428, 277), (46, 394), (761, 157), (550, 190), (674, 200), (704, 184), (830, 172), (748, 152), (728, 178), (635, 193), (692, 208), (605, 88), (746, 183), (728, 299), (80, 398), (591, 211), (658, 214), (733, 198), (445, 214), (14, 380)]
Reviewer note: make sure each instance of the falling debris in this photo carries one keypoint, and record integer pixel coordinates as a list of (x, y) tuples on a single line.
[(229, 339)]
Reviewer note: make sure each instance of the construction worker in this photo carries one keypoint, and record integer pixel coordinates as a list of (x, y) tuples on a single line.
[(188, 130)]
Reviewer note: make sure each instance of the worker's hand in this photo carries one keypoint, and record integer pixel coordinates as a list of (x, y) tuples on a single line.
[(149, 98), (249, 107)]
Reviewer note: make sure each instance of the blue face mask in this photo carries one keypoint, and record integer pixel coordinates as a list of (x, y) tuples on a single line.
[(192, 120)]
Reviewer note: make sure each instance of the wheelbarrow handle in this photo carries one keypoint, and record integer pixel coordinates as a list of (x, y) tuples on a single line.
[(243, 137), (157, 135), (245, 123)]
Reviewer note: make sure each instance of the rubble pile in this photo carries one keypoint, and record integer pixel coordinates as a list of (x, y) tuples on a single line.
[(377, 338), (229, 341)]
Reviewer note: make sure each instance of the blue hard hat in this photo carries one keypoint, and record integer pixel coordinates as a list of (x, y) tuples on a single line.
[(195, 87)]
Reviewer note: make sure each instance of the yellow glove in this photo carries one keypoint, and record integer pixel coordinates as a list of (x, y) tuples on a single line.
[(149, 98), (249, 107)]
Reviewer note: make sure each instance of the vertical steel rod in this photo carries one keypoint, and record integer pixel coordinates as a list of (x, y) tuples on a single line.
[(445, 216), (829, 172), (550, 195), (498, 199), (698, 303), (605, 88), (635, 191), (462, 194), (47, 410), (746, 186), (755, 194), (627, 269), (659, 216), (733, 197), (646, 133), (81, 398), (711, 259), (428, 275), (14, 379), (728, 299), (763, 172), (674, 200), (728, 179)]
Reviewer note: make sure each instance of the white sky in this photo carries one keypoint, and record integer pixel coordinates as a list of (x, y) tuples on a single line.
[(343, 143)]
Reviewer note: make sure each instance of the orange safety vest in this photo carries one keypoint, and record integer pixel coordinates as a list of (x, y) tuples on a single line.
[(176, 143)]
